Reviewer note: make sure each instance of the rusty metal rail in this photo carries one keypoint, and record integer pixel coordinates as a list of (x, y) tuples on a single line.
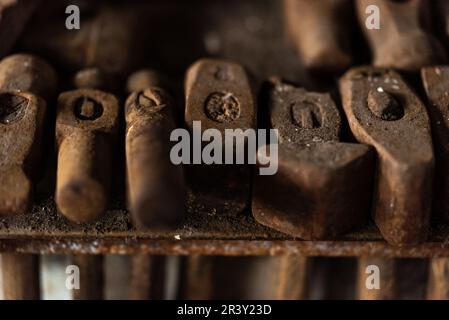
[(131, 244), (44, 231)]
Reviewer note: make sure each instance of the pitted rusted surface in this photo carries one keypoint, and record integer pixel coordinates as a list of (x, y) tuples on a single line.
[(322, 187), (86, 128), (219, 96), (402, 139), (43, 230), (156, 187), (133, 245), (24, 79)]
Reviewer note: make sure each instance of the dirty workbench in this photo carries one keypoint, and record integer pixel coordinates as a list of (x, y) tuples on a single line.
[(253, 27)]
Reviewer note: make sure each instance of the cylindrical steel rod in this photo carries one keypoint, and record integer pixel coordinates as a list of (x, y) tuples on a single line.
[(20, 273), (91, 277)]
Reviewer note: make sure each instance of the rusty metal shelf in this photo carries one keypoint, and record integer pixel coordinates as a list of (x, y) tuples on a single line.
[(44, 231)]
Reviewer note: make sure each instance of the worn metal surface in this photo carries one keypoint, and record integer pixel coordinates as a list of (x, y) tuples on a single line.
[(384, 112), (86, 125), (43, 230), (212, 246), (320, 36), (323, 187), (30, 73), (436, 85), (218, 96), (21, 124), (156, 186), (22, 116), (86, 131), (404, 40), (20, 275)]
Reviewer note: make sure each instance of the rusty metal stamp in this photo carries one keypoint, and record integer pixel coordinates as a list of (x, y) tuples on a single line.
[(219, 96), (24, 79), (156, 187), (86, 125), (323, 187), (384, 112)]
